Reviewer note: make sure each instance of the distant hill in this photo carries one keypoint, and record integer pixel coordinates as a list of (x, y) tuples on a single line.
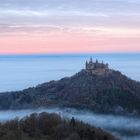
[(106, 91)]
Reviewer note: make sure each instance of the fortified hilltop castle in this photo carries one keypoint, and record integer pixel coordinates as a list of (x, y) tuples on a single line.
[(96, 67)]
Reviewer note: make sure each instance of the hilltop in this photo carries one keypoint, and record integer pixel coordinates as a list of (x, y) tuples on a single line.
[(96, 88)]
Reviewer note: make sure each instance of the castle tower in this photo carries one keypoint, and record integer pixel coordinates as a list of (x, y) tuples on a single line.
[(86, 66), (91, 60), (96, 61)]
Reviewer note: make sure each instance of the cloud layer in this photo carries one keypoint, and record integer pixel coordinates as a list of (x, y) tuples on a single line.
[(90, 20)]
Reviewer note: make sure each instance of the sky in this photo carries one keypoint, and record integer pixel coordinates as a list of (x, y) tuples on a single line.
[(69, 26)]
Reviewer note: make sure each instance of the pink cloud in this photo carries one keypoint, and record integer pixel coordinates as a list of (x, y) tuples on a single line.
[(68, 42)]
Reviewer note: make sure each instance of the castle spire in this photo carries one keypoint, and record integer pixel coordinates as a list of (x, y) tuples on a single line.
[(96, 61), (90, 59)]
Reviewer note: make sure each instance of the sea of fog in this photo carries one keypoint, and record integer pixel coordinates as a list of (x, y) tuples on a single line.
[(19, 72), (125, 128)]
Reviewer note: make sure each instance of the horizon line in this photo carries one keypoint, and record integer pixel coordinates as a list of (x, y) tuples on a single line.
[(68, 54)]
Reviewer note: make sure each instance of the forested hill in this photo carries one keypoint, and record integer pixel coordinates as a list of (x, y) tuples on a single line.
[(107, 93), (46, 126)]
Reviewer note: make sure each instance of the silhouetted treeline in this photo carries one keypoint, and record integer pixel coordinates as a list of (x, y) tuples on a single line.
[(46, 126)]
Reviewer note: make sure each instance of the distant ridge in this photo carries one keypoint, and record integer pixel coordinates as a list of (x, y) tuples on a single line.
[(96, 88)]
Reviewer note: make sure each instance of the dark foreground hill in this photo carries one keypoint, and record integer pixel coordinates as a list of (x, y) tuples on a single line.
[(110, 92), (46, 126)]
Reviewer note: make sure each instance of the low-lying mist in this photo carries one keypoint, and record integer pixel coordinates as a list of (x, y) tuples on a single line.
[(125, 128)]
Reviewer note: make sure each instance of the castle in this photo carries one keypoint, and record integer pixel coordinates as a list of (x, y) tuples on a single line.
[(96, 67)]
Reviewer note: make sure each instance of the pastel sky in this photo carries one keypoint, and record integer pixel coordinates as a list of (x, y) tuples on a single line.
[(69, 26)]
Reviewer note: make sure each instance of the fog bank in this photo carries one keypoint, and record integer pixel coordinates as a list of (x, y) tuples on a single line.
[(126, 128)]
